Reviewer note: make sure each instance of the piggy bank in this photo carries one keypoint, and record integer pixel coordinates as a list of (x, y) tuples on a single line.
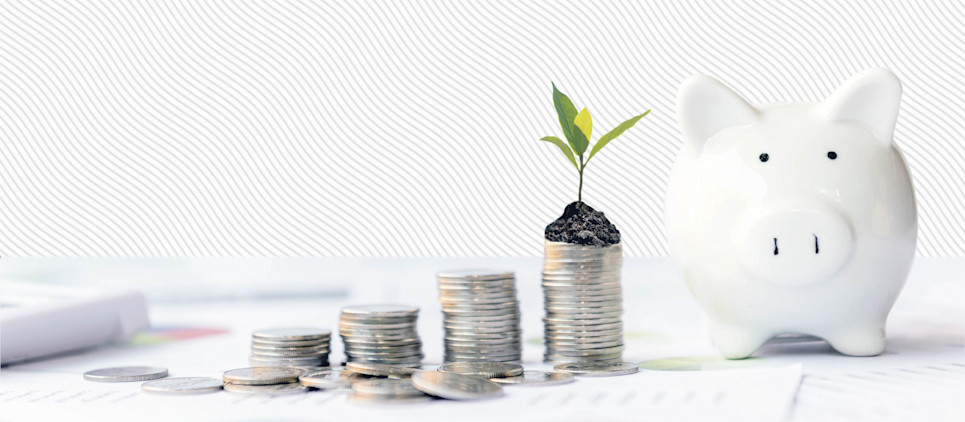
[(793, 218)]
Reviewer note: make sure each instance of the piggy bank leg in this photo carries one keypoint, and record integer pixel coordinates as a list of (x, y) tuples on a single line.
[(735, 342), (858, 341)]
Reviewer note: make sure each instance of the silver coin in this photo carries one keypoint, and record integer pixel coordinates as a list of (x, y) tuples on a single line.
[(377, 323), (292, 334), (373, 325), (452, 356), (126, 374), (584, 345), (537, 379), (293, 350), (582, 291), (455, 386), (475, 274), (580, 322), (598, 369), (469, 343), (584, 316), (572, 286), (448, 309), (510, 332), (293, 388), (584, 352), (575, 337), (262, 375), (264, 361), (327, 379), (380, 311), (584, 330), (183, 385), (413, 361), (618, 357), (293, 343), (380, 370), (392, 387), (472, 319), (483, 369)]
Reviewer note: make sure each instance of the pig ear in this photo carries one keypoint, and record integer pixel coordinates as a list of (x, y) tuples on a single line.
[(870, 99), (705, 106)]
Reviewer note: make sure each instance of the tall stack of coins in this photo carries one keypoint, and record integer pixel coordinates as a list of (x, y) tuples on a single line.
[(381, 334), (584, 303), (480, 316), (290, 347)]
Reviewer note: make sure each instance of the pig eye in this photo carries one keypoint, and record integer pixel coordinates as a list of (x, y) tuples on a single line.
[(832, 155), (764, 157)]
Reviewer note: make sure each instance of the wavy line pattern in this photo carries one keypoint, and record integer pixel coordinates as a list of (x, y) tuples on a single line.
[(350, 128)]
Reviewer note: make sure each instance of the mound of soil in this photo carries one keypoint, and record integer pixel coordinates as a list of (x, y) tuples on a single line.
[(580, 224)]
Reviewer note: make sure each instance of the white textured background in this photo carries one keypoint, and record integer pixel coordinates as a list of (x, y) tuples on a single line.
[(411, 127)]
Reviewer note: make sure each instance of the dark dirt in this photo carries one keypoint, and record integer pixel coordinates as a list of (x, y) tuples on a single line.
[(582, 225)]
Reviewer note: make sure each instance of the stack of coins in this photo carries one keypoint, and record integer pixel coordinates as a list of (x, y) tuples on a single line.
[(381, 334), (480, 316), (290, 347), (584, 303)]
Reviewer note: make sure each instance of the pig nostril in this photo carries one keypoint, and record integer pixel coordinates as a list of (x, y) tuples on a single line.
[(816, 248), (775, 246)]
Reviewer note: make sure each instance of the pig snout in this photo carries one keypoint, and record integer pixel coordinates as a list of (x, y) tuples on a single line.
[(794, 242)]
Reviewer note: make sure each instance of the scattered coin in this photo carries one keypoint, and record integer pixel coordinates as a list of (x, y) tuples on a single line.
[(537, 378), (598, 369), (380, 370), (483, 369), (290, 388), (328, 379), (126, 374), (183, 385), (455, 386), (386, 390), (265, 375)]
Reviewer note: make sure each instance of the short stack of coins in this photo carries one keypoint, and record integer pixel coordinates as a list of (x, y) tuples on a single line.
[(381, 334), (480, 316), (290, 347), (583, 300)]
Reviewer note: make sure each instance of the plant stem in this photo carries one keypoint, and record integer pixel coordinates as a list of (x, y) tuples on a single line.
[(579, 195)]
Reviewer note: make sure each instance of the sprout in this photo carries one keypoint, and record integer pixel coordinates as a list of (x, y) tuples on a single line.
[(577, 128)]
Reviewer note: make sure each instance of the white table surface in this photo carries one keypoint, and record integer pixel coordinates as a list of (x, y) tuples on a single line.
[(920, 377)]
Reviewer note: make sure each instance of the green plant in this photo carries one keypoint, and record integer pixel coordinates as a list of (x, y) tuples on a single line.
[(577, 128)]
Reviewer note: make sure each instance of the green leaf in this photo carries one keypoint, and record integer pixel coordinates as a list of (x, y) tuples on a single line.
[(614, 133), (563, 147), (566, 113), (584, 122), (580, 141)]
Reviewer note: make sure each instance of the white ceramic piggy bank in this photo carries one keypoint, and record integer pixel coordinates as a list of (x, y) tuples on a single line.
[(793, 218)]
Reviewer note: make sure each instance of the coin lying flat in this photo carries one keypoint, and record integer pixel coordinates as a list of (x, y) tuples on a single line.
[(483, 369), (328, 379), (594, 369), (292, 334), (183, 385), (380, 370), (265, 389), (537, 379), (126, 374), (265, 375), (455, 386)]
